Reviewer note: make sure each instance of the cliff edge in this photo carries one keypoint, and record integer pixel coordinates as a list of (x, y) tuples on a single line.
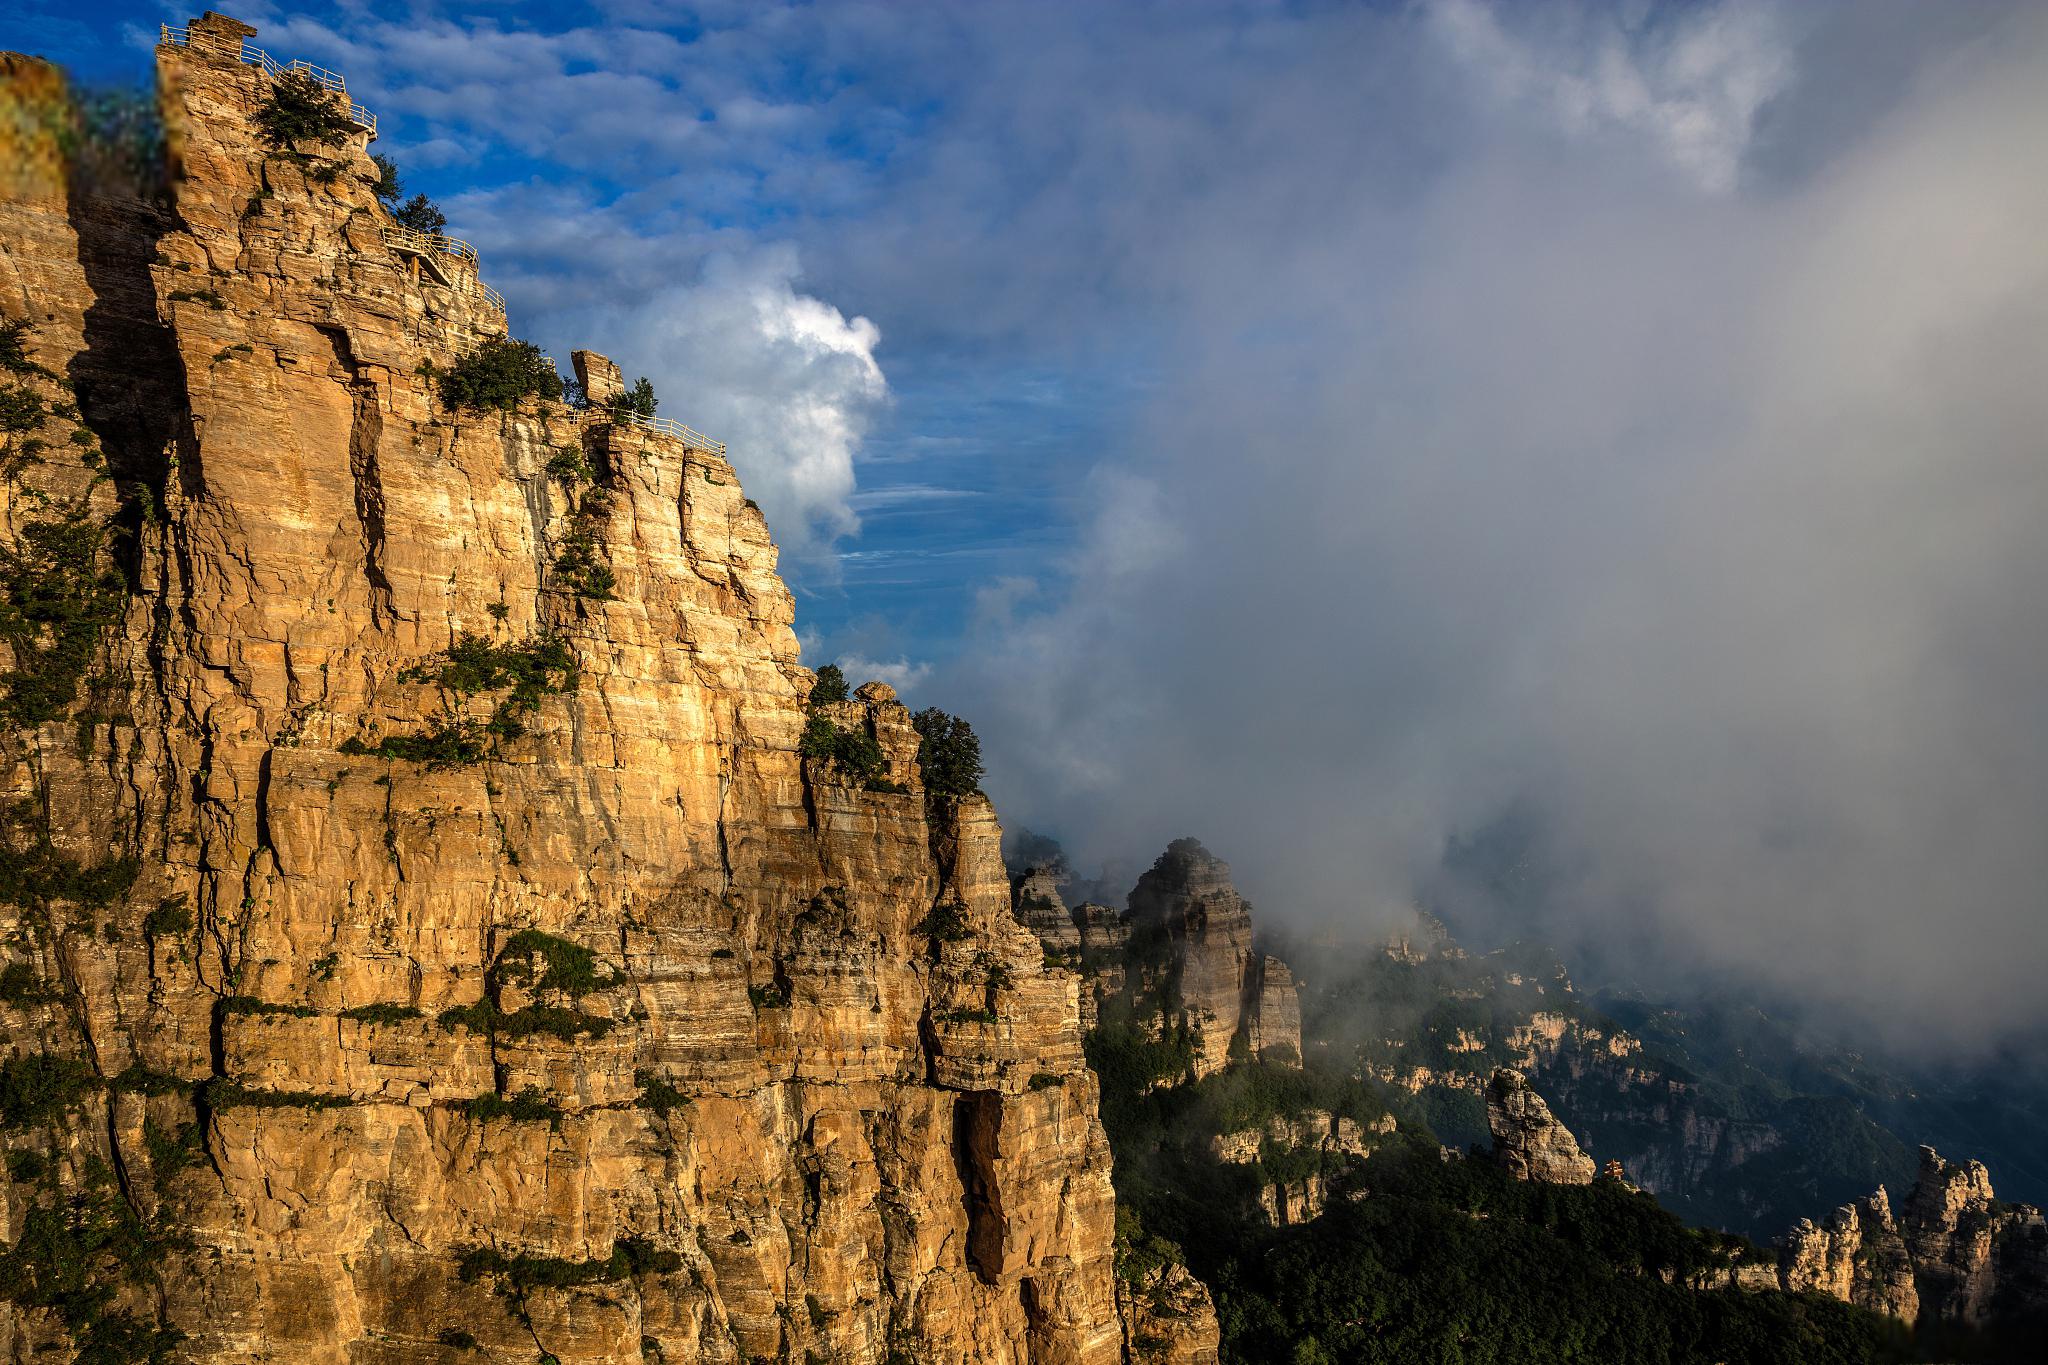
[(425, 936)]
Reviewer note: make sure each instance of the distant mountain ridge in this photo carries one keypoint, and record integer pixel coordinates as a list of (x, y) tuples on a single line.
[(1255, 1107), (1720, 1142)]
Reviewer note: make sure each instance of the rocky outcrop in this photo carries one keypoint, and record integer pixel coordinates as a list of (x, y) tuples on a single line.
[(1421, 939), (1104, 940), (1039, 908), (1953, 1226), (599, 378), (1857, 1256), (425, 931), (1527, 1141), (1169, 1318), (1954, 1254), (1272, 1019), (1191, 937), (1311, 1130), (1299, 1193)]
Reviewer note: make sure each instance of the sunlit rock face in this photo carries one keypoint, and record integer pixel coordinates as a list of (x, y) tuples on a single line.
[(1168, 1318), (1955, 1252), (1527, 1141), (549, 1004), (1857, 1256)]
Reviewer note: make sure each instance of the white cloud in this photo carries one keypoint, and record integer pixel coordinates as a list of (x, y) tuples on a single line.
[(786, 380), (903, 675), (1690, 83), (1708, 524)]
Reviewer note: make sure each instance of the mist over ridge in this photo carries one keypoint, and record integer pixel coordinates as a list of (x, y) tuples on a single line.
[(1687, 500)]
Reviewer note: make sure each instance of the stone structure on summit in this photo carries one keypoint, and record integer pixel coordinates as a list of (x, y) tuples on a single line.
[(424, 932)]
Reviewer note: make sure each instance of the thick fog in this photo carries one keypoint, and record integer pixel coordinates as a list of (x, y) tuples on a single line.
[(1641, 427)]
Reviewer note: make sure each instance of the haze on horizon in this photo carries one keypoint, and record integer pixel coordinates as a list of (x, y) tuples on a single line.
[(1334, 430)]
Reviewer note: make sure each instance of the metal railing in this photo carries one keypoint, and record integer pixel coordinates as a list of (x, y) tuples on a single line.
[(250, 55), (695, 440), (431, 244), (454, 255), (689, 436)]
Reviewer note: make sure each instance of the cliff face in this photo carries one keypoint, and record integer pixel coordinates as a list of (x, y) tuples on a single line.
[(1168, 1318), (1857, 1256), (426, 934), (1323, 1138), (1229, 996), (1199, 1039), (1954, 1254)]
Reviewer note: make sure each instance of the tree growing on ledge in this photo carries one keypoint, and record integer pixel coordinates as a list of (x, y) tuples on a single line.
[(421, 214), (638, 401), (831, 685), (853, 752), (496, 374), (300, 109), (948, 753)]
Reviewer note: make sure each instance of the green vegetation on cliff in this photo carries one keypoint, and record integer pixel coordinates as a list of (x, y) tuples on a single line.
[(948, 753), (300, 109), (495, 374)]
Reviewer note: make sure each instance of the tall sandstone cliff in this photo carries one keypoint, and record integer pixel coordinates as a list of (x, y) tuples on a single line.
[(368, 1003)]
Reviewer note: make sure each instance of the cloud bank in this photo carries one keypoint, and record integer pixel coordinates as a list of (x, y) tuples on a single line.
[(1589, 471)]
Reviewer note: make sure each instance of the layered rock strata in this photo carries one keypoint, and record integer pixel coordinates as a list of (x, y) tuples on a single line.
[(425, 934), (1168, 1318), (1040, 908), (1192, 932), (1311, 1132), (1105, 938), (1184, 946), (1856, 1256)]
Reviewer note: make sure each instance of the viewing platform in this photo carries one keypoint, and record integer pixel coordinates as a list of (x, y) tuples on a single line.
[(221, 40), (448, 261), (690, 437)]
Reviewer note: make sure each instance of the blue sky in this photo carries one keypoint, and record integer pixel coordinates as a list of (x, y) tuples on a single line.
[(1324, 428)]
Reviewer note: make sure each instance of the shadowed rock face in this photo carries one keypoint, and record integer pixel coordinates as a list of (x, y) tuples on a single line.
[(1168, 1318), (1188, 920), (1040, 908), (1954, 1254), (604, 1026), (1527, 1141)]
